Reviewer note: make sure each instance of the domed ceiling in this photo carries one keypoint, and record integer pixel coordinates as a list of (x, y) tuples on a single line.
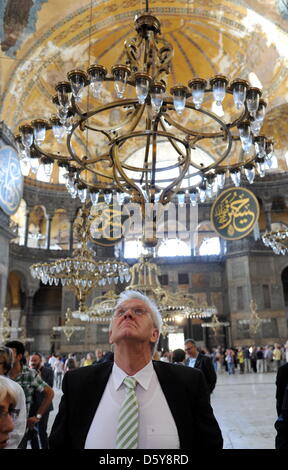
[(42, 40)]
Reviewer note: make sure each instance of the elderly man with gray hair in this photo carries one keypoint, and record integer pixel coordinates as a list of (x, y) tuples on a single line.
[(135, 402)]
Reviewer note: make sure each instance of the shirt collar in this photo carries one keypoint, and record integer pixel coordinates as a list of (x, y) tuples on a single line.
[(143, 376)]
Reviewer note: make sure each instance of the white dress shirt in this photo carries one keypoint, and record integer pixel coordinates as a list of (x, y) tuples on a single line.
[(192, 361), (18, 432), (157, 428)]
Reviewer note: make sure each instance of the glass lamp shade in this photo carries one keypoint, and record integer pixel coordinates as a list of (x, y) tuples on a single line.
[(220, 177), (202, 192), (197, 86), (252, 100), (34, 164), (250, 172), (27, 135), (94, 196), (244, 130), (193, 197), (82, 193), (261, 111), (179, 98), (235, 175), (260, 145), (157, 92), (48, 165), (261, 167), (142, 82), (64, 94), (97, 74), (78, 80), (120, 74), (181, 197), (57, 128), (239, 88), (219, 84), (39, 130)]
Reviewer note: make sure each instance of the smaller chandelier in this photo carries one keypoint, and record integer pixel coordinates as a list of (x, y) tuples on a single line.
[(215, 324), (68, 328), (5, 328), (254, 321), (277, 241), (82, 272)]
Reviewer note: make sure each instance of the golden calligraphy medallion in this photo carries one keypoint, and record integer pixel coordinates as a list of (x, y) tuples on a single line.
[(234, 213)]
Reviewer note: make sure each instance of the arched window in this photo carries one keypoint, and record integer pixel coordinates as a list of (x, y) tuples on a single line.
[(174, 247), (132, 248), (206, 242), (210, 246)]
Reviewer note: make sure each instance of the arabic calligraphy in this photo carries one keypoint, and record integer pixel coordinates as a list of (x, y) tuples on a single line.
[(106, 226), (11, 180), (235, 213)]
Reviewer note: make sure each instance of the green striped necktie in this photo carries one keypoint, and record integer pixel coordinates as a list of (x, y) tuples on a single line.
[(127, 430)]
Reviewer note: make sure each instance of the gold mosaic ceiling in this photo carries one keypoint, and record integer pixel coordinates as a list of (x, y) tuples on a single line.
[(42, 40)]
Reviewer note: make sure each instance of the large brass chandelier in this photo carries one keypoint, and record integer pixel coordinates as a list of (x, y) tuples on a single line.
[(97, 141), (173, 307), (277, 240), (82, 272)]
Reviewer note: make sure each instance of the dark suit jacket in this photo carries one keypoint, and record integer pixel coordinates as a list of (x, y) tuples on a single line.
[(205, 364), (281, 382), (185, 390)]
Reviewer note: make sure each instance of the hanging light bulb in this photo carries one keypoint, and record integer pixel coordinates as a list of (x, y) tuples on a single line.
[(157, 92), (219, 84), (256, 127), (120, 74), (179, 93), (39, 130), (235, 175), (78, 79), (197, 86), (142, 82), (239, 88), (250, 172), (25, 166), (97, 74)]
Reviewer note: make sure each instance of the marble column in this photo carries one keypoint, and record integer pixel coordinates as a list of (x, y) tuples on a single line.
[(48, 231), (26, 227), (267, 206)]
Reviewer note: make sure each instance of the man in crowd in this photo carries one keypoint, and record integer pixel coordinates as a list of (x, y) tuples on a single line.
[(200, 361), (98, 356), (46, 374), (132, 402), (30, 382)]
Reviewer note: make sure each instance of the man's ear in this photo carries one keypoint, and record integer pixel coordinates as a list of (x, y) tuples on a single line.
[(155, 335)]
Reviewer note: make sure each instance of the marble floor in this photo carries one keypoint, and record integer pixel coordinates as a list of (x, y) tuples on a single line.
[(244, 406)]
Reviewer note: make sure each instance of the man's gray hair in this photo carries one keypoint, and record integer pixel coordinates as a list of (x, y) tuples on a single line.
[(155, 313)]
